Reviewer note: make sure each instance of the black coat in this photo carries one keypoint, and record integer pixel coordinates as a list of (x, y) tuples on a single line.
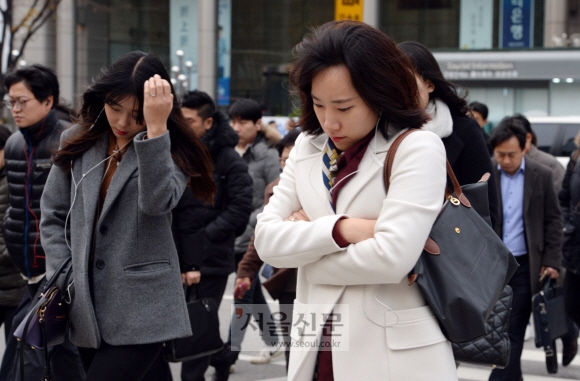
[(28, 162), (469, 157), (570, 204), (205, 234)]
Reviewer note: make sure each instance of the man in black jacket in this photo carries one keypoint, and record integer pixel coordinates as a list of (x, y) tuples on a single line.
[(205, 234), (32, 96)]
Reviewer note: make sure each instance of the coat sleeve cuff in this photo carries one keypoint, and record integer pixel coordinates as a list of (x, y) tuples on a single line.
[(338, 237)]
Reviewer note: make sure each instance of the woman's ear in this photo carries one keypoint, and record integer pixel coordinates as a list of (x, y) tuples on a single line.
[(430, 86)]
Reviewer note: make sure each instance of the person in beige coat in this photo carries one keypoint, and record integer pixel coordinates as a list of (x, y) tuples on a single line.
[(330, 217)]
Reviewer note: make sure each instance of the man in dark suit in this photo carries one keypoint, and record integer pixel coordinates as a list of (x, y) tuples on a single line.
[(530, 224)]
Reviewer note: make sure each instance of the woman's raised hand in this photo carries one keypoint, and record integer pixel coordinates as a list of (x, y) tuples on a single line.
[(157, 105)]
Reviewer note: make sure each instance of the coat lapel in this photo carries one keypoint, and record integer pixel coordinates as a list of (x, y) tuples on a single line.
[(529, 181), (126, 168), (499, 223), (369, 167), (91, 184), (312, 165)]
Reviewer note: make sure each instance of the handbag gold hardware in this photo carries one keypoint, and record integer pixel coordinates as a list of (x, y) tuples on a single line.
[(454, 201), (457, 230)]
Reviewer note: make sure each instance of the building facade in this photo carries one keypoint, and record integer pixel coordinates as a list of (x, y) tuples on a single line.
[(514, 55)]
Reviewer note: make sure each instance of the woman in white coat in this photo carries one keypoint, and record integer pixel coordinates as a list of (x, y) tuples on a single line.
[(330, 217)]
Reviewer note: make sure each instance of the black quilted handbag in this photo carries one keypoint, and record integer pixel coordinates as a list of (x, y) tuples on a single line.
[(464, 266), (493, 348)]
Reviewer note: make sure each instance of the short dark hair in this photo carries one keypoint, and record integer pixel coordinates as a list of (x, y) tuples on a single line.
[(525, 122), (199, 101), (40, 80), (4, 135), (288, 140), (527, 126), (380, 73), (246, 109), (480, 108), (505, 130), (427, 67)]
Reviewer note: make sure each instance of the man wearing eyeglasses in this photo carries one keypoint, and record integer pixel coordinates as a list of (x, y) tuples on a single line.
[(33, 94)]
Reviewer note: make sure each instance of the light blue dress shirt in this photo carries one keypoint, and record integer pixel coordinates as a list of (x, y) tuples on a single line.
[(512, 196)]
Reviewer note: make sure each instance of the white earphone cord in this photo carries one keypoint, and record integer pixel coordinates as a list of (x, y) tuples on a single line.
[(76, 185)]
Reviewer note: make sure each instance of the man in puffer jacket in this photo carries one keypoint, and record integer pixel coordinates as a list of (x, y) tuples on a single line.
[(33, 93), (204, 234), (12, 286)]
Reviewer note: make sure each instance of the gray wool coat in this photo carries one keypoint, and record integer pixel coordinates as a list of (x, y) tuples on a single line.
[(137, 293)]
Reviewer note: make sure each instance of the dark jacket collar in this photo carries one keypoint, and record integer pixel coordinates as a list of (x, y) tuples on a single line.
[(40, 130), (220, 135)]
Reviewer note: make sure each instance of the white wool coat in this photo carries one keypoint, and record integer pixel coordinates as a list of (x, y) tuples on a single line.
[(392, 334)]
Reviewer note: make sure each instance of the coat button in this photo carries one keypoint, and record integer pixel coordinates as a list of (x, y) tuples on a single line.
[(100, 264), (103, 229)]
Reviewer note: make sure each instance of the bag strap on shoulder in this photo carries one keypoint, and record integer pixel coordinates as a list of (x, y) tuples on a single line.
[(391, 158), (430, 246)]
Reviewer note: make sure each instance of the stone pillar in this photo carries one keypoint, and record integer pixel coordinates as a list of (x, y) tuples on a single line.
[(554, 21), (207, 45), (371, 13), (65, 50)]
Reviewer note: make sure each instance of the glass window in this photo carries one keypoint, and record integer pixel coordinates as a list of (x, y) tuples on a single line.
[(139, 25), (564, 98), (264, 34), (531, 102), (434, 23), (568, 146), (110, 28), (547, 134), (499, 101)]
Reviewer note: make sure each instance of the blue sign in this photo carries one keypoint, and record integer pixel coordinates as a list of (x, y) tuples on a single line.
[(516, 24), (224, 57)]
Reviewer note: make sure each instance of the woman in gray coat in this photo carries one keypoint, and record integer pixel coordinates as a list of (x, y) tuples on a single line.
[(107, 203)]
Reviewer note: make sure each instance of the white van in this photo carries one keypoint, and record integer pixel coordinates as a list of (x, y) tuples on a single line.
[(556, 135)]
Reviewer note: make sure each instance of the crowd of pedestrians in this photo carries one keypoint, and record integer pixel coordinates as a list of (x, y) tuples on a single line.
[(152, 195)]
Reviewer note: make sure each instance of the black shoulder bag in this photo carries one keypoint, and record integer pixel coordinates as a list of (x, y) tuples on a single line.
[(464, 266), (205, 325)]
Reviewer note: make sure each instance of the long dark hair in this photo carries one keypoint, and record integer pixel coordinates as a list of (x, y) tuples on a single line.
[(381, 74), (427, 67), (125, 78)]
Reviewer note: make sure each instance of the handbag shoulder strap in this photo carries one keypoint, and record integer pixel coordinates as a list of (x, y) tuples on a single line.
[(391, 158), (430, 246), (61, 268)]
